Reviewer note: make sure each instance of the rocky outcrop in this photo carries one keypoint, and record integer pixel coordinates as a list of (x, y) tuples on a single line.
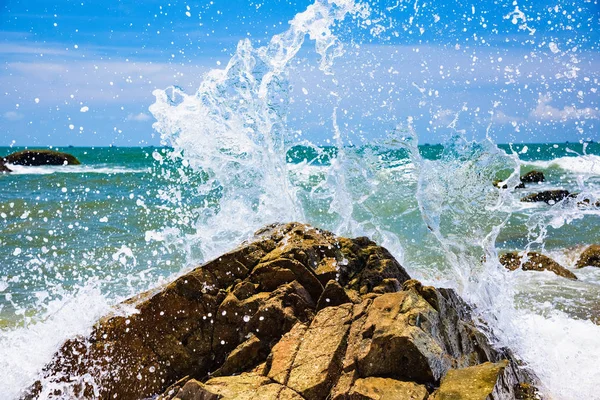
[(548, 196), (40, 157), (297, 313), (533, 177), (590, 257), (535, 262)]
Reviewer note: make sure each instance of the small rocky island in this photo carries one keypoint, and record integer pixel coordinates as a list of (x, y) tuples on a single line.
[(36, 158), (295, 313)]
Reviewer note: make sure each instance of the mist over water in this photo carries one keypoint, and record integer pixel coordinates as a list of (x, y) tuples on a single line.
[(238, 159)]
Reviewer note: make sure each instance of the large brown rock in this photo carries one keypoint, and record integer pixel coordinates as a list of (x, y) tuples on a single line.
[(590, 257), (535, 262), (41, 157), (255, 323)]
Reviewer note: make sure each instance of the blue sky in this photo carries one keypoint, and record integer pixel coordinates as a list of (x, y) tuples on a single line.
[(82, 72)]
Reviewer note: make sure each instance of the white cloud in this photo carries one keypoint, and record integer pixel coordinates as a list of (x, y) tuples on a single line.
[(141, 117), (500, 117), (13, 49), (12, 116), (547, 112), (100, 82)]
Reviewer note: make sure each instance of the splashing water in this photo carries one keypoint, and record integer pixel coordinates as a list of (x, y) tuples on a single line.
[(239, 163), (234, 128)]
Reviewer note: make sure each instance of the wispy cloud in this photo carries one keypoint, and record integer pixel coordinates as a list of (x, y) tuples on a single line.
[(141, 117), (18, 49), (545, 111), (500, 117), (13, 116), (99, 82)]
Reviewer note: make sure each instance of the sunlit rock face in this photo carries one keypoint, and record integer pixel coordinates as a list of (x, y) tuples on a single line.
[(295, 313)]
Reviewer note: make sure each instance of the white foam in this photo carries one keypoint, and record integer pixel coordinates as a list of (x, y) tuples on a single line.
[(586, 164), (71, 169), (25, 350), (563, 352)]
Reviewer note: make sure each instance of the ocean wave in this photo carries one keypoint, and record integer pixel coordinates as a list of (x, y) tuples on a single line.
[(73, 169), (24, 350), (586, 164)]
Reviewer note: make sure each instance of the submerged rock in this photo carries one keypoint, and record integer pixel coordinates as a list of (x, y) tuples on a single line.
[(588, 203), (533, 177), (590, 257), (255, 323), (535, 262), (41, 157), (548, 196)]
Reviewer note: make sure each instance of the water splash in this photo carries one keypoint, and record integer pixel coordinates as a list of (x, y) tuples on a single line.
[(441, 216), (234, 128)]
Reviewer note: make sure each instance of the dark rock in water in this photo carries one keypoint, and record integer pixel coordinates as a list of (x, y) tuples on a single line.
[(256, 323), (548, 196), (530, 177), (3, 168), (535, 262), (41, 157), (590, 257), (588, 203), (533, 177)]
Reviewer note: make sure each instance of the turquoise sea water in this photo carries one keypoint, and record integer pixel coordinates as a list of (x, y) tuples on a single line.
[(127, 216)]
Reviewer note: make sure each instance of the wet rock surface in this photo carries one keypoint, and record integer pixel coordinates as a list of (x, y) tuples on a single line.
[(40, 157), (297, 313), (548, 196), (530, 177), (590, 257), (533, 177), (534, 262)]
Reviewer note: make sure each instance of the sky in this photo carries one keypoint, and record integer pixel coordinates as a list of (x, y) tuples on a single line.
[(82, 72)]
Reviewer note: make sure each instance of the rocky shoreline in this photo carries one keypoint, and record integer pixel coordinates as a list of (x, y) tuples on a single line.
[(296, 313)]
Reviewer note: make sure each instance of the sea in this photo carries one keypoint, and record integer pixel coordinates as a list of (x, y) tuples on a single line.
[(76, 240)]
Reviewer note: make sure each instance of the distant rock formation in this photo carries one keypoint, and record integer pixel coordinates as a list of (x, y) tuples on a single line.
[(535, 262), (40, 157), (297, 313)]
